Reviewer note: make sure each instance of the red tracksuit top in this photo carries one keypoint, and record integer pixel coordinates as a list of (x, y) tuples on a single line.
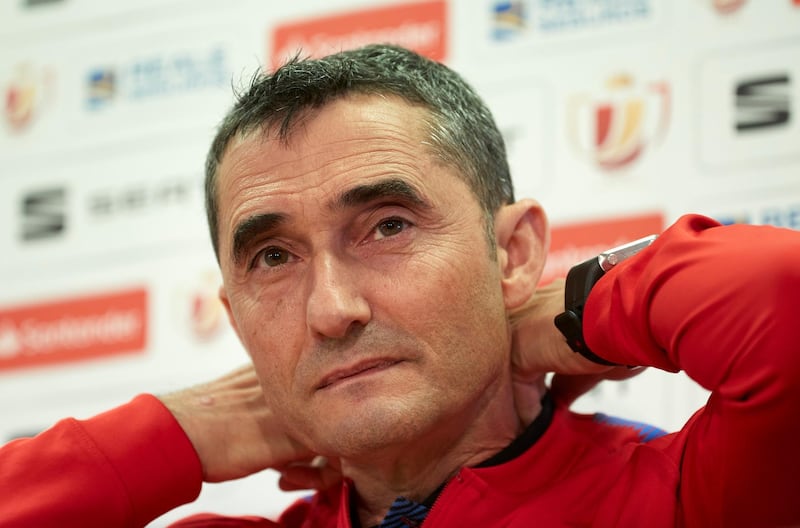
[(720, 303)]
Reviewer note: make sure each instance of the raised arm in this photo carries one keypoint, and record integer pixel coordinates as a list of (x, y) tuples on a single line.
[(121, 468), (131, 464), (720, 303)]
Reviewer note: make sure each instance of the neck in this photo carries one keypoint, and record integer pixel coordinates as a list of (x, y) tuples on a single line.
[(417, 469)]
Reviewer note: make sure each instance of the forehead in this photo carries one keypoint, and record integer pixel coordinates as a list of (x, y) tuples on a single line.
[(346, 132), (347, 142)]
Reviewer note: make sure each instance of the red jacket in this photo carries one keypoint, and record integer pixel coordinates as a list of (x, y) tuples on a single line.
[(719, 303)]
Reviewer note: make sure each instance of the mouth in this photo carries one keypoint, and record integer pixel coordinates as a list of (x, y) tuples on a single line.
[(365, 368)]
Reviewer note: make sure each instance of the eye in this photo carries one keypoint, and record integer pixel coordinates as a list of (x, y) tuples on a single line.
[(271, 257), (389, 227)]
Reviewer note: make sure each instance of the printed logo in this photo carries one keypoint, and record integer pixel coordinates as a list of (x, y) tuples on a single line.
[(157, 76), (39, 3), (509, 19), (557, 15), (762, 102), (748, 96), (74, 329), (572, 244), (615, 127), (25, 94), (199, 308), (101, 87), (420, 26), (107, 203), (740, 217), (43, 214), (727, 6), (787, 216)]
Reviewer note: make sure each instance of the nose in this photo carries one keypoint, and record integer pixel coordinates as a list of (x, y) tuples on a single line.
[(335, 305)]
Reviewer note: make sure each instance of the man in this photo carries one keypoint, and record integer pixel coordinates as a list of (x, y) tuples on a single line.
[(373, 259)]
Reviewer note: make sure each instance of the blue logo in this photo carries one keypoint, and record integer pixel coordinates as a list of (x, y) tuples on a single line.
[(787, 216), (157, 76), (509, 19), (100, 87), (512, 18)]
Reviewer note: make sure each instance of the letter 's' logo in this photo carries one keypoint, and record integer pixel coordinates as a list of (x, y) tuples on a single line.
[(43, 214), (763, 102)]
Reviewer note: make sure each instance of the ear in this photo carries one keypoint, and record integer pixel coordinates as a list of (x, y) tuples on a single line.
[(522, 241), (223, 296)]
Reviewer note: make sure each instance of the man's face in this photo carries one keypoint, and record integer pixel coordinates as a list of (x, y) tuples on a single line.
[(359, 278)]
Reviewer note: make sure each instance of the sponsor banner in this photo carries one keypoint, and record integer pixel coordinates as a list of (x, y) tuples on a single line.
[(572, 244), (139, 86), (612, 126), (750, 99), (78, 215), (148, 77), (73, 329), (537, 21), (421, 26)]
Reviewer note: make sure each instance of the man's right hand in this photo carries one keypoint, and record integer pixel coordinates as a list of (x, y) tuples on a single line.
[(235, 434), (538, 348)]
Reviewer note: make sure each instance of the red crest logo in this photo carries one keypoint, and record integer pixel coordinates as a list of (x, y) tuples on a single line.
[(614, 128)]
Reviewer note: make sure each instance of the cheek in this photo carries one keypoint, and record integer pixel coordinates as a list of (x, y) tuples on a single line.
[(271, 336), (459, 304)]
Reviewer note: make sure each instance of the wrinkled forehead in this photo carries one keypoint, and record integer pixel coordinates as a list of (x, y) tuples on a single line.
[(353, 117), (285, 125), (374, 129)]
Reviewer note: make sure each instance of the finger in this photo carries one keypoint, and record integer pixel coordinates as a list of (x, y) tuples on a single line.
[(316, 472), (568, 388), (526, 400), (297, 477)]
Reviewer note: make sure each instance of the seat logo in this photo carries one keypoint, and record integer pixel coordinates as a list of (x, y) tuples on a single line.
[(43, 214), (763, 102)]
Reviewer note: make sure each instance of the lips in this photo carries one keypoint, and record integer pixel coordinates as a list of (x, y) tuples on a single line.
[(362, 367)]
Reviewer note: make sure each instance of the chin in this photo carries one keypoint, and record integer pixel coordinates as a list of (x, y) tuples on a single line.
[(371, 428)]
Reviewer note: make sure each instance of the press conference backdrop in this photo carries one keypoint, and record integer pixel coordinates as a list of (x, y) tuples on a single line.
[(619, 116)]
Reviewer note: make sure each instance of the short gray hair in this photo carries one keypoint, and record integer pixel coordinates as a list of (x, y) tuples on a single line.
[(461, 129)]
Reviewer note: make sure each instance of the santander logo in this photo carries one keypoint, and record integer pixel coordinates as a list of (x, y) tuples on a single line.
[(421, 26), (73, 329)]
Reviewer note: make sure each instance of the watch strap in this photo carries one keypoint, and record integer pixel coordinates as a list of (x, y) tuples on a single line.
[(579, 283)]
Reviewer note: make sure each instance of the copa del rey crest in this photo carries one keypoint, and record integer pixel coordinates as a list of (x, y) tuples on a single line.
[(615, 125), (727, 6)]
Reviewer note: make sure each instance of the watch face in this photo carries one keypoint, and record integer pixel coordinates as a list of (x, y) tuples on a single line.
[(611, 257)]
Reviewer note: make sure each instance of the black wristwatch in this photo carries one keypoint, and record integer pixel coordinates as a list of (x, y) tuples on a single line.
[(580, 280)]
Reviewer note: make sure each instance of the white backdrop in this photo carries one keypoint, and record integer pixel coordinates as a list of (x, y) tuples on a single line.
[(619, 115)]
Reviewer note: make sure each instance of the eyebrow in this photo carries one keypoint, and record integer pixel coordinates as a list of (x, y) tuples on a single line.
[(247, 231), (392, 188)]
